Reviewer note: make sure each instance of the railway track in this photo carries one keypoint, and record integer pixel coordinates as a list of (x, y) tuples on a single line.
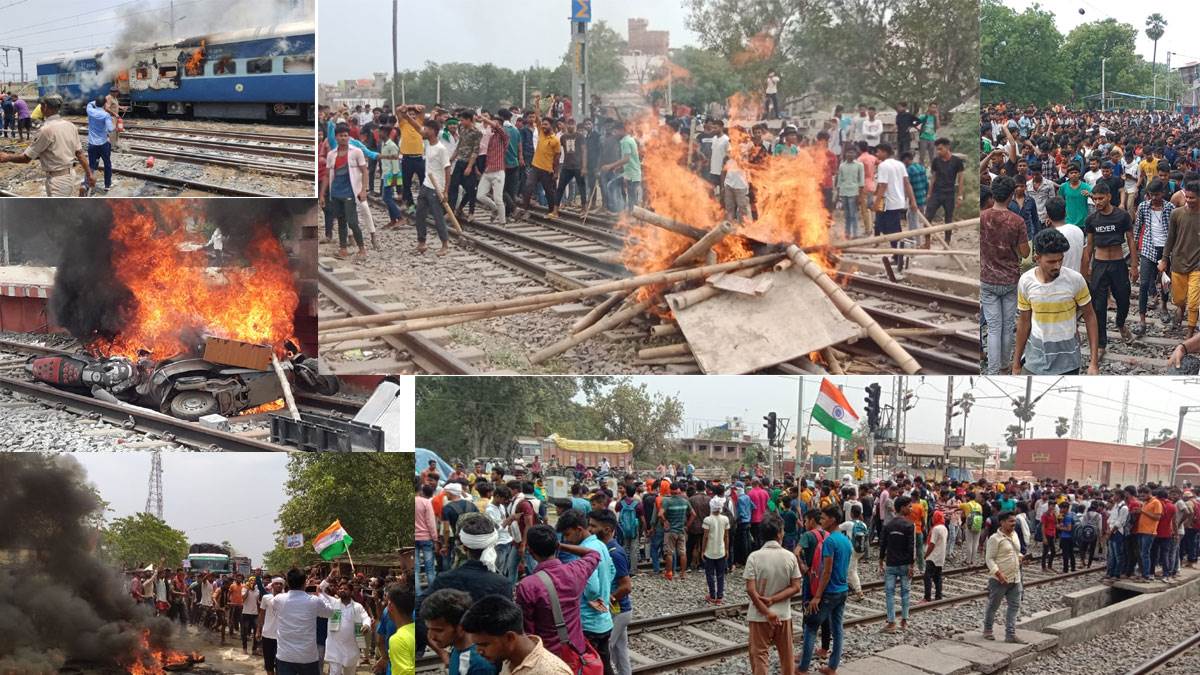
[(1165, 658), (145, 420)]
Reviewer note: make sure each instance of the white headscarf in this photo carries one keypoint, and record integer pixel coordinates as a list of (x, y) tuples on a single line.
[(482, 542)]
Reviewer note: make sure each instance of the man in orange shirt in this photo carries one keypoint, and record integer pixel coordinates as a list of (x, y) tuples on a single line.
[(1147, 527), (233, 609), (916, 513)]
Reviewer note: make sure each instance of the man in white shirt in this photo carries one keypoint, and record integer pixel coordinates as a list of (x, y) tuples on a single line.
[(893, 194), (296, 614), (872, 128), (935, 557), (433, 189), (735, 188), (720, 148), (499, 510), (1003, 559), (249, 620), (267, 629), (349, 620)]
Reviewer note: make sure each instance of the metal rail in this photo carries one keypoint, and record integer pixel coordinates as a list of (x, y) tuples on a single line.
[(1160, 660), (136, 418), (430, 356), (302, 172), (189, 183), (951, 304), (565, 253)]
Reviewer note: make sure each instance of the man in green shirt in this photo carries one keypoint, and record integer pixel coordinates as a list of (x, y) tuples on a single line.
[(1075, 193), (929, 125), (676, 515), (631, 163)]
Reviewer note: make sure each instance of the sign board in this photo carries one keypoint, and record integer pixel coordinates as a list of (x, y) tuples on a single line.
[(1040, 457), (186, 564), (581, 11), (955, 442), (294, 541)]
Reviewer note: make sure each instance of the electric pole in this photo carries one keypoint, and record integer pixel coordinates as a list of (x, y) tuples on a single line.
[(1123, 423), (949, 415), (395, 17), (154, 496), (580, 18)]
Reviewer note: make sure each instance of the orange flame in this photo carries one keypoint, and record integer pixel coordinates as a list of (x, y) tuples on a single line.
[(264, 408), (151, 660), (178, 298), (195, 64), (760, 48)]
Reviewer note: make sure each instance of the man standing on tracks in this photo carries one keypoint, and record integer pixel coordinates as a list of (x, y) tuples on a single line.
[(772, 577), (55, 146), (1003, 559), (896, 560)]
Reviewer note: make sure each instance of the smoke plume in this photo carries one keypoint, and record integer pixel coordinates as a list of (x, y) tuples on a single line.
[(58, 602)]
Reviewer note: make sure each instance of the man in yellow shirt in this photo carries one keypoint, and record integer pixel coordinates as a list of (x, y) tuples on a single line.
[(412, 151), (545, 166), (402, 646), (1147, 527)]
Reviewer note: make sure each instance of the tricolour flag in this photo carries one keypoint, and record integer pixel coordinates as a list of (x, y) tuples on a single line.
[(332, 542), (833, 411)]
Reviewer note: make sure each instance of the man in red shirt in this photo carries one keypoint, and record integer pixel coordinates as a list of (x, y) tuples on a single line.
[(1049, 534), (759, 497), (1164, 538)]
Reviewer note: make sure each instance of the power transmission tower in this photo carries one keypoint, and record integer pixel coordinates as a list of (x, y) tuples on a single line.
[(154, 497), (1077, 418), (1123, 424)]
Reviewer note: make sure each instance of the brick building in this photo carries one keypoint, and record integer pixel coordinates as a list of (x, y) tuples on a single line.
[(1092, 462), (1189, 460)]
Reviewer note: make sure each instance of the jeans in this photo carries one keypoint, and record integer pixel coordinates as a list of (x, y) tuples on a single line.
[(491, 194), (428, 204), (1116, 546), (506, 561), (372, 165), (460, 179), (656, 546), (618, 644), (771, 104), (1011, 593), (345, 209), (565, 176), (952, 532), (101, 152), (944, 202), (714, 574), (1148, 279), (999, 303), (633, 194), (829, 610), (592, 179), (743, 543), (389, 200), (287, 668), (919, 539), (512, 188), (1048, 552), (1190, 538), (972, 546), (892, 573), (631, 553), (850, 207), (1109, 275), (410, 166), (329, 218), (543, 179), (925, 150), (1145, 543), (424, 560), (1068, 554), (610, 191), (737, 203)]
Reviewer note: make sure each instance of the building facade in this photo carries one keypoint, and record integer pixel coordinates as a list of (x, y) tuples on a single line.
[(1092, 462)]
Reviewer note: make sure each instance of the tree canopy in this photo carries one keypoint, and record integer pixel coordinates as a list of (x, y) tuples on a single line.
[(143, 539)]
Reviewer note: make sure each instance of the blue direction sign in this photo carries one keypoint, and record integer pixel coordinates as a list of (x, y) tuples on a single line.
[(581, 11)]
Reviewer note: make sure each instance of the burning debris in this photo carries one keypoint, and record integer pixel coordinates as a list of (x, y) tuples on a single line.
[(60, 604)]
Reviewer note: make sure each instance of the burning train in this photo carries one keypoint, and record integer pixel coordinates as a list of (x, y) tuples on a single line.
[(254, 74)]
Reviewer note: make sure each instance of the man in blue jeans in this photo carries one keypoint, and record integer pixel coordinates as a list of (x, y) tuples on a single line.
[(897, 543), (829, 599), (1118, 517), (100, 124), (1152, 511), (1003, 242)]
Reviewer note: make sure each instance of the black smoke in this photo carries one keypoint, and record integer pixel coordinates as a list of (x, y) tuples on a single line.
[(89, 301), (58, 601)]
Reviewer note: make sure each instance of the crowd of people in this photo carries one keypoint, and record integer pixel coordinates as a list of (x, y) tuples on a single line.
[(487, 549), (428, 162), (1083, 212), (296, 622), (16, 117)]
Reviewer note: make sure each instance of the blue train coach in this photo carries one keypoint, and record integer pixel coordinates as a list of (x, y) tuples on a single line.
[(75, 76), (256, 74)]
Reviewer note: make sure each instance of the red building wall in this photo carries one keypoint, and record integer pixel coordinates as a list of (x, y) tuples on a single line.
[(1091, 461), (1189, 460)]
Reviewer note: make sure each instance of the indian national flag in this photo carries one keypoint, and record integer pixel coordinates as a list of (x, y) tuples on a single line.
[(833, 411), (333, 542)]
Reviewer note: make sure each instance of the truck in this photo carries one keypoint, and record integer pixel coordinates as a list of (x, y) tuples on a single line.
[(212, 558)]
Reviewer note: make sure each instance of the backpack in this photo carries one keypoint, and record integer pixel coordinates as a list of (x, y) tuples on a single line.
[(814, 578), (975, 519), (1085, 533), (858, 537), (628, 520), (586, 662)]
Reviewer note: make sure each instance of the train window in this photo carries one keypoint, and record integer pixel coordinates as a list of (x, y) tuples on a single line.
[(299, 64), (143, 73), (168, 71), (257, 66), (225, 66)]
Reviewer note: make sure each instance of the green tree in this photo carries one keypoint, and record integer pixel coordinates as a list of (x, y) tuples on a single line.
[(143, 539), (1012, 433), (1061, 427), (606, 73), (701, 77), (629, 411), (1021, 51), (1155, 27), (1087, 44), (371, 494)]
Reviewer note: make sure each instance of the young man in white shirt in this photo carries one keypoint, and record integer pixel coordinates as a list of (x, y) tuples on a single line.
[(893, 195), (349, 620), (433, 190), (872, 128), (296, 614)]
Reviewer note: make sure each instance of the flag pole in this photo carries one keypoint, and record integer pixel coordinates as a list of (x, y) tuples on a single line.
[(351, 558)]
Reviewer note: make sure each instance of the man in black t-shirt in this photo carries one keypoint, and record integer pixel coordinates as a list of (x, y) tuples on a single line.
[(574, 149), (945, 183), (1107, 228), (905, 121)]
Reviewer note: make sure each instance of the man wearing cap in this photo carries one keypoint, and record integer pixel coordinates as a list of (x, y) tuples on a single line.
[(267, 628), (55, 145), (454, 507)]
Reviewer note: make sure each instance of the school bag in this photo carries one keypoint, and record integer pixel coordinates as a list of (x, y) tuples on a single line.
[(628, 520), (858, 537), (975, 519)]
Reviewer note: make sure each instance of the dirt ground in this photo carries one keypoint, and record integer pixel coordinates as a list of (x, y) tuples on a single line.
[(228, 658)]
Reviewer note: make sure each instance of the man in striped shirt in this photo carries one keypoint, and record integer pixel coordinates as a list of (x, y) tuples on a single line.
[(1049, 298)]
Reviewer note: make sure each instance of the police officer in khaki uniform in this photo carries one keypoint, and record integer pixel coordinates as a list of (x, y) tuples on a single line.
[(56, 145)]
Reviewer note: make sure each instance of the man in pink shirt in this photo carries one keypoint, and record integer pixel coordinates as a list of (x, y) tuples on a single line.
[(569, 581), (759, 497), (425, 529), (869, 162)]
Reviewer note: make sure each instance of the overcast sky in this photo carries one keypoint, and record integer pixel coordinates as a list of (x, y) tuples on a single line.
[(44, 29), (355, 44), (1178, 36), (1153, 403), (212, 497)]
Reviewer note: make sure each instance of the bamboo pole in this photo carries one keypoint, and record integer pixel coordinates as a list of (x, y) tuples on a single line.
[(957, 261), (427, 323), (831, 359), (599, 311), (678, 349), (907, 251), (661, 330), (694, 296), (852, 311), (802, 366), (557, 297), (648, 216), (703, 246), (450, 213), (586, 334), (896, 236)]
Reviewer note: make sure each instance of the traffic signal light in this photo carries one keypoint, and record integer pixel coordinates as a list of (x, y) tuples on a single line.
[(860, 454), (873, 391), (771, 426)]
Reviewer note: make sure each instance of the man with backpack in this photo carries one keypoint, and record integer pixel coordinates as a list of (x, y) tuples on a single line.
[(1087, 533), (629, 521), (1191, 529), (973, 515), (858, 534)]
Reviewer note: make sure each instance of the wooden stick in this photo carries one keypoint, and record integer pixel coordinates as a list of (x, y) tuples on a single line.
[(611, 322), (831, 359), (684, 299), (853, 311), (919, 332), (958, 261), (667, 360), (287, 388), (897, 236), (648, 216), (599, 311), (450, 213), (802, 366), (907, 251), (661, 330), (703, 246), (591, 202), (427, 323), (678, 349), (557, 297)]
